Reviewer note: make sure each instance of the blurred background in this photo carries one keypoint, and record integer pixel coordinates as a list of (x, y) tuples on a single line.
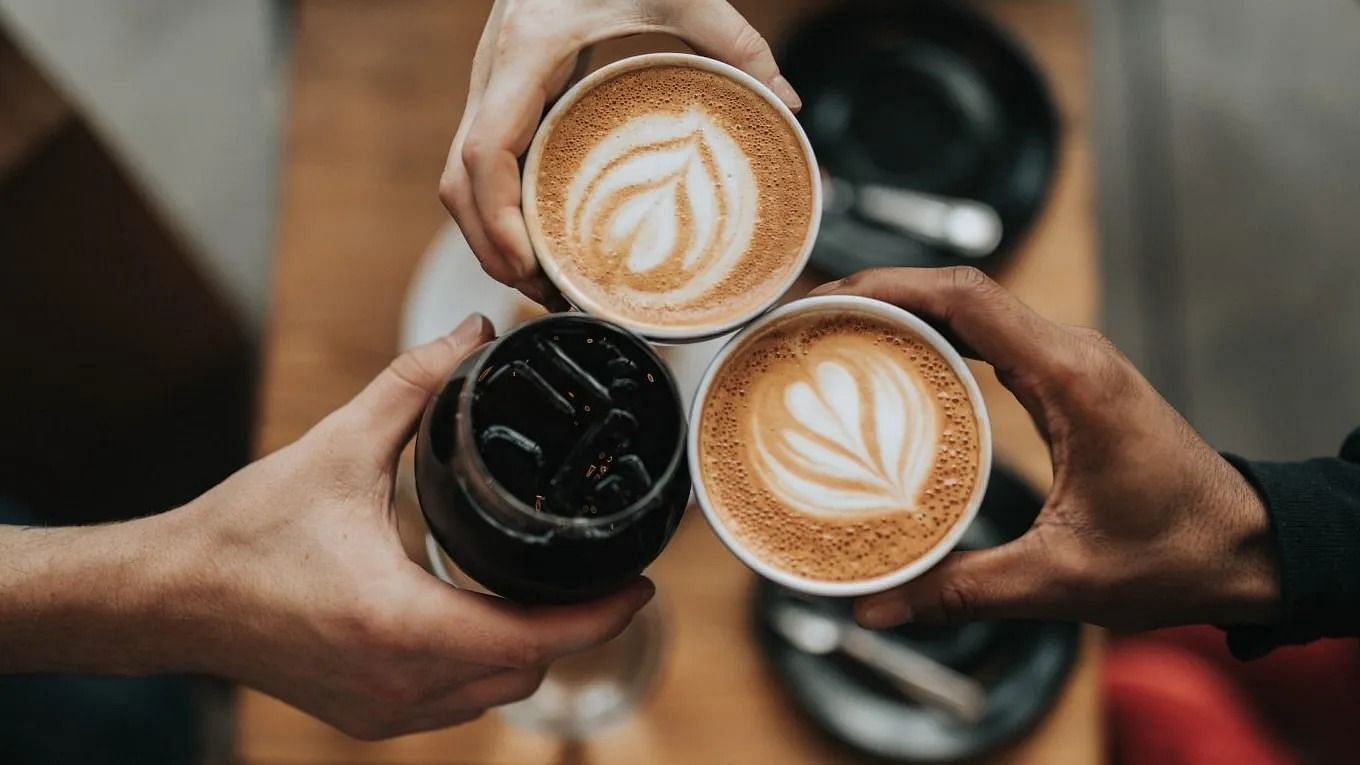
[(1226, 154), (141, 145)]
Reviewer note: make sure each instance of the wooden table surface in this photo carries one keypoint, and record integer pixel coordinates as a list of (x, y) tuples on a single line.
[(376, 95)]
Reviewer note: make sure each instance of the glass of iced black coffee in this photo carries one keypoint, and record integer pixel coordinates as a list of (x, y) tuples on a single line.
[(551, 468)]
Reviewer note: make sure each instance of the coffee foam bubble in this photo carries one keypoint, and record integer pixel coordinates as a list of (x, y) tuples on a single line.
[(837, 446), (674, 197)]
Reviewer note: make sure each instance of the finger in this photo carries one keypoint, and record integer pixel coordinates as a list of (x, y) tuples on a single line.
[(455, 191), (965, 304), (492, 631), (498, 136), (458, 673), (504, 687), (386, 412), (716, 29), (1001, 582), (539, 289), (435, 721), (483, 56)]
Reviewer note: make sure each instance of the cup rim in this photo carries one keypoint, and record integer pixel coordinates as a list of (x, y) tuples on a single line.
[(529, 190), (854, 588)]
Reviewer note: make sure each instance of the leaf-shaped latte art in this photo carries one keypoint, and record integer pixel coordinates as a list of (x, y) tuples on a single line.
[(666, 203), (855, 434)]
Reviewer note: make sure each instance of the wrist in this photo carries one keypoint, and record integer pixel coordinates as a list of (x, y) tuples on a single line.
[(1250, 582), (185, 597)]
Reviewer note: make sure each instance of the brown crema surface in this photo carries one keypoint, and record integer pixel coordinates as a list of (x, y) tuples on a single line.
[(836, 546), (784, 197)]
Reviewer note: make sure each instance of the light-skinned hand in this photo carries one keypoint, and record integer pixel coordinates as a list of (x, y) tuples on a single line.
[(529, 52), (290, 577)]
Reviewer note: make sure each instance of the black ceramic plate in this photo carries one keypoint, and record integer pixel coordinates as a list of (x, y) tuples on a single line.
[(1023, 665), (928, 96)]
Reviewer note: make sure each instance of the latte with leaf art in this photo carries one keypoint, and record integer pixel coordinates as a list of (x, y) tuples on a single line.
[(672, 198), (838, 446)]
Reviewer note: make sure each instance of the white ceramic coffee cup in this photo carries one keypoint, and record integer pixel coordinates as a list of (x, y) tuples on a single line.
[(569, 289), (855, 588)]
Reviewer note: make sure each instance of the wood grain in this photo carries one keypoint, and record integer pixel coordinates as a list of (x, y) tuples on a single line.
[(376, 96)]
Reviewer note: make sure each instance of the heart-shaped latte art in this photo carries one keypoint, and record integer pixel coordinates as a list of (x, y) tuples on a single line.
[(855, 433), (666, 204)]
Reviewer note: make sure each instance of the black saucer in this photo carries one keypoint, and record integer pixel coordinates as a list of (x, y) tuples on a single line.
[(1023, 665), (928, 96)]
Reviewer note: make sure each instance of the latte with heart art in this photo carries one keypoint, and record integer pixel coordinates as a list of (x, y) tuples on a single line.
[(838, 445), (671, 194)]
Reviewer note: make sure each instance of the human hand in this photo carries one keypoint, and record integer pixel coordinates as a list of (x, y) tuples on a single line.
[(529, 52), (1145, 525), (297, 583)]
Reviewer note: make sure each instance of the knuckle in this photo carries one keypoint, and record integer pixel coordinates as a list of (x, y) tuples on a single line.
[(451, 191), (749, 46), (411, 371), (1093, 371), (475, 148), (526, 22), (500, 270), (862, 282), (1067, 568), (521, 271), (499, 230), (514, 29), (969, 279), (375, 634), (368, 625), (1069, 373), (955, 603), (856, 282), (1096, 345)]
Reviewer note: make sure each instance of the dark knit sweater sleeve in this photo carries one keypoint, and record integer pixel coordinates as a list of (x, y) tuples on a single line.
[(1314, 509)]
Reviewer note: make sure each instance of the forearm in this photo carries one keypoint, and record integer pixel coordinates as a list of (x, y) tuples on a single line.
[(97, 599)]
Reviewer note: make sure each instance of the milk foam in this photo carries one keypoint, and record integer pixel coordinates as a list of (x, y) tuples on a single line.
[(671, 192), (837, 445), (855, 434), (672, 199)]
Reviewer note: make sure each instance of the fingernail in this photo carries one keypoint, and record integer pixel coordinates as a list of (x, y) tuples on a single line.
[(828, 287), (877, 615), (786, 93), (470, 329)]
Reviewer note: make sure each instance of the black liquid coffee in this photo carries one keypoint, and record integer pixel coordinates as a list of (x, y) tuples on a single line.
[(574, 422), (560, 474)]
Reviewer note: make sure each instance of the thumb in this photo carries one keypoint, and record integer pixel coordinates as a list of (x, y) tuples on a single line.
[(1009, 581), (387, 410), (981, 318), (716, 29)]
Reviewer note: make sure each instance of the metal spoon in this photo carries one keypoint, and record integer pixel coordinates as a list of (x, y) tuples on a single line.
[(968, 227), (917, 675)]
